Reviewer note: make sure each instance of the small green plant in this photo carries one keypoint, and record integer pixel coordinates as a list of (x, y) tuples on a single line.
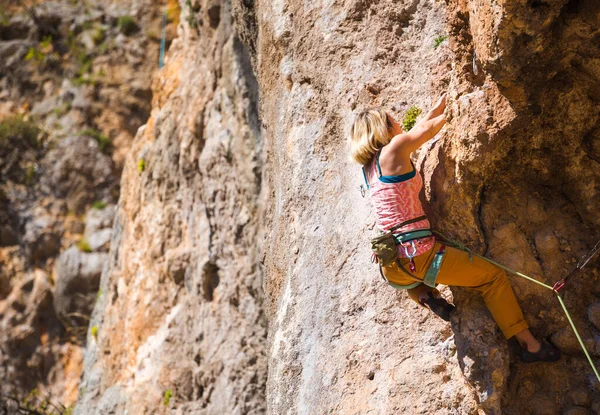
[(438, 40), (46, 42), (167, 397), (40, 52), (33, 404), (127, 25), (15, 131), (62, 109), (30, 174), (98, 35), (83, 61), (105, 144), (191, 15), (34, 54), (84, 245), (141, 165), (4, 17), (99, 205), (94, 332), (99, 294), (410, 118)]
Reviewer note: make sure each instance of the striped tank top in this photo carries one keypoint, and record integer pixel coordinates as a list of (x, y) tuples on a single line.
[(396, 199)]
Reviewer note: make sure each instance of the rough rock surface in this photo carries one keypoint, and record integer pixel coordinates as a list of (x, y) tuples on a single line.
[(180, 322), (514, 174), (75, 88)]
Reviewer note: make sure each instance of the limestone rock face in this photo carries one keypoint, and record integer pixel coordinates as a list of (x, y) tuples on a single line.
[(73, 91), (240, 214), (180, 322)]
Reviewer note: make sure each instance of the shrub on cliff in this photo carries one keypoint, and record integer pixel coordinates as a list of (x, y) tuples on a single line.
[(33, 404), (410, 118), (16, 132), (127, 25), (105, 144)]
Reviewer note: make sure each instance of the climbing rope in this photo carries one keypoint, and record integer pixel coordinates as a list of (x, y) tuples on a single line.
[(163, 36), (556, 288)]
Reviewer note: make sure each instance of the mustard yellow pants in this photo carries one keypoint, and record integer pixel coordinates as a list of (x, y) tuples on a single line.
[(456, 270)]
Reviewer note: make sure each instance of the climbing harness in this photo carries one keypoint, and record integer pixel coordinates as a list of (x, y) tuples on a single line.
[(408, 240), (556, 288), (385, 246)]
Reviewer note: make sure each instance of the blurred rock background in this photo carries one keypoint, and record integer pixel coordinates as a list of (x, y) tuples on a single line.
[(237, 276), (75, 85)]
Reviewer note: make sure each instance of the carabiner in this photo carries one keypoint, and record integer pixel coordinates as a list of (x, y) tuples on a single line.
[(414, 250)]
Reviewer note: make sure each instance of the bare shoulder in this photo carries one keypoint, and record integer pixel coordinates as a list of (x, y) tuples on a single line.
[(393, 161)]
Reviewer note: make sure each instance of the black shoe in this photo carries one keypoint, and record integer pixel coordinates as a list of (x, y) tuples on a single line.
[(547, 353), (439, 306)]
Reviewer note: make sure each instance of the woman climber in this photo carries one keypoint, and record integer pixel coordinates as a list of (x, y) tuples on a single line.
[(379, 144)]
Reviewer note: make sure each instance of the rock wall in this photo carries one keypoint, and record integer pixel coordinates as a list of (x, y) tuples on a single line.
[(180, 325), (74, 87), (211, 195)]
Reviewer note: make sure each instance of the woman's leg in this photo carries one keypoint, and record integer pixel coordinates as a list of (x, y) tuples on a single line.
[(493, 284), (480, 275)]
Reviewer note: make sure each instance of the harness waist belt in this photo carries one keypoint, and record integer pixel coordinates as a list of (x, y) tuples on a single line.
[(411, 235), (433, 269)]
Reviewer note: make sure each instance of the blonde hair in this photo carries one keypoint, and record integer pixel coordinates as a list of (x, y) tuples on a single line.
[(370, 131)]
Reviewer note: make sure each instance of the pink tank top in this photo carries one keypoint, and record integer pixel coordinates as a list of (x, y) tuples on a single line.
[(396, 200)]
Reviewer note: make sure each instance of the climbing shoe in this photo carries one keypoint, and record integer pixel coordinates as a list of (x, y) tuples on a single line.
[(547, 353), (439, 306)]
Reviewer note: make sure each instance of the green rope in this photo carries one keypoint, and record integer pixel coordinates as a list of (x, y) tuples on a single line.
[(577, 335), (516, 272), (458, 245)]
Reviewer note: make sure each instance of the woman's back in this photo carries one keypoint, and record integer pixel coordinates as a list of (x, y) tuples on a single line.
[(396, 200)]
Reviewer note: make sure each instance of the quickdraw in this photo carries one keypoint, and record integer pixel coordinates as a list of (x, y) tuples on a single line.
[(559, 285)]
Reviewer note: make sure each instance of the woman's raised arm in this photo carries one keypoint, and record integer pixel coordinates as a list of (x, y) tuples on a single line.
[(405, 143)]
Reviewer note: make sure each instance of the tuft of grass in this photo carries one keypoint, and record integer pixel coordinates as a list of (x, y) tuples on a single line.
[(30, 174), (127, 25), (438, 40), (94, 332), (191, 15), (141, 165), (34, 54), (62, 109), (105, 144), (4, 17), (36, 403), (98, 35), (40, 52), (46, 42), (84, 246), (167, 397), (16, 131), (410, 118), (99, 204)]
